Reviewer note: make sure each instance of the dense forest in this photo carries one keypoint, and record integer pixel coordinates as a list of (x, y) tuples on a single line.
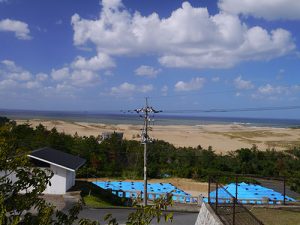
[(124, 158)]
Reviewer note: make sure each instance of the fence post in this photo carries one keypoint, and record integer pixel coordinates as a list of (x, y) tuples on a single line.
[(235, 199), (217, 196), (209, 189), (284, 190)]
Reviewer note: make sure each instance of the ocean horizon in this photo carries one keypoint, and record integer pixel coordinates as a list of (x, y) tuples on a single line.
[(118, 117)]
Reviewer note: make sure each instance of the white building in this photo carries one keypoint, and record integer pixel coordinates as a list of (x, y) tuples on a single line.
[(62, 164)]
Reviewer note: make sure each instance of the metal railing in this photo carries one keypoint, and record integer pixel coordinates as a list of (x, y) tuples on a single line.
[(228, 208)]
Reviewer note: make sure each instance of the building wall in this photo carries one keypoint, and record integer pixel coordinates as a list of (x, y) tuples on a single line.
[(58, 181), (61, 181), (70, 179)]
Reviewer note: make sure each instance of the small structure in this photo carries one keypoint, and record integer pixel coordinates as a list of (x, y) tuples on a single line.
[(107, 135), (63, 166)]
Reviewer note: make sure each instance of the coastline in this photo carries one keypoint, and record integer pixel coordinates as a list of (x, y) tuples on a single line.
[(222, 137)]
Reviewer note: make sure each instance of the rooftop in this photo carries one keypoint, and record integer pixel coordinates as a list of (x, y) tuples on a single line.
[(58, 158)]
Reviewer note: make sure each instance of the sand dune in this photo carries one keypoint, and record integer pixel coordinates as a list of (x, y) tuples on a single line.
[(222, 138)]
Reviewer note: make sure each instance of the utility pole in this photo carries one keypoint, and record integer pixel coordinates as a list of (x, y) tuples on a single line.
[(146, 139)]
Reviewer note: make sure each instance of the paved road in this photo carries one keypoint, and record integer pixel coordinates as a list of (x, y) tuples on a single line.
[(180, 218)]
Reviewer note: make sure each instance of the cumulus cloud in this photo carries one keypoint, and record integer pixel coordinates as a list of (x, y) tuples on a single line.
[(269, 89), (194, 84), (147, 71), (276, 92), (267, 9), (32, 84), (239, 83), (84, 78), (189, 37), (10, 71), (20, 28), (15, 77), (7, 84), (76, 77), (98, 62), (83, 72), (129, 89), (60, 74), (42, 76)]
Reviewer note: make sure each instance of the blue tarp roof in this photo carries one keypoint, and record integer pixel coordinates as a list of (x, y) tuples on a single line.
[(157, 188), (250, 191)]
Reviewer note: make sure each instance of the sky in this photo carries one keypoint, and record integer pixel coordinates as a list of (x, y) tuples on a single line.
[(184, 55)]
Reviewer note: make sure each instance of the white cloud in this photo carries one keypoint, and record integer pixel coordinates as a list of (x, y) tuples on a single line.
[(98, 62), (215, 79), (190, 37), (75, 77), (7, 84), (273, 92), (41, 76), (129, 89), (60, 74), (147, 71), (268, 9), (146, 88), (239, 83), (20, 28), (269, 89), (125, 88), (22, 76), (32, 85), (10, 71), (84, 78), (14, 77), (194, 84), (9, 64), (59, 90)]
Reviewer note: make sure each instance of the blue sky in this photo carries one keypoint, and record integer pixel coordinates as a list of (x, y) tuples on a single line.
[(110, 54)]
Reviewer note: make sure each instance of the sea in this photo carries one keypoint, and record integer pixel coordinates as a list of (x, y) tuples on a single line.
[(118, 117)]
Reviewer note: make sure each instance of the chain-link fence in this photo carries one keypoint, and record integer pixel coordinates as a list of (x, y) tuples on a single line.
[(227, 207)]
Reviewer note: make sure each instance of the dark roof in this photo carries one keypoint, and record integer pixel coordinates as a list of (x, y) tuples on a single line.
[(58, 158)]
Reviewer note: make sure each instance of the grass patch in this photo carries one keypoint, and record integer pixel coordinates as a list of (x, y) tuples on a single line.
[(277, 216), (95, 202), (96, 197)]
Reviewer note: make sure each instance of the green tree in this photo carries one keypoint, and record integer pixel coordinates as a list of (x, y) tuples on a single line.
[(20, 198)]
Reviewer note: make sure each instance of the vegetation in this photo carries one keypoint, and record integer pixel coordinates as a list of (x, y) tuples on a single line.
[(284, 216), (124, 158), (21, 202), (97, 198)]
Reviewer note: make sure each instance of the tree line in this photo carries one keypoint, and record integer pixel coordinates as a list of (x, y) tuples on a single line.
[(118, 158)]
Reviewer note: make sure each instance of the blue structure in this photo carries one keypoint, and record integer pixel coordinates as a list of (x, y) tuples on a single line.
[(254, 193), (153, 189)]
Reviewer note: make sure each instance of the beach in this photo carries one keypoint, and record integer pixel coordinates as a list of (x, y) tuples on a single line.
[(222, 137)]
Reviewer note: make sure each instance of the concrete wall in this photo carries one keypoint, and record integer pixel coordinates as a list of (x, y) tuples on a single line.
[(207, 216)]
